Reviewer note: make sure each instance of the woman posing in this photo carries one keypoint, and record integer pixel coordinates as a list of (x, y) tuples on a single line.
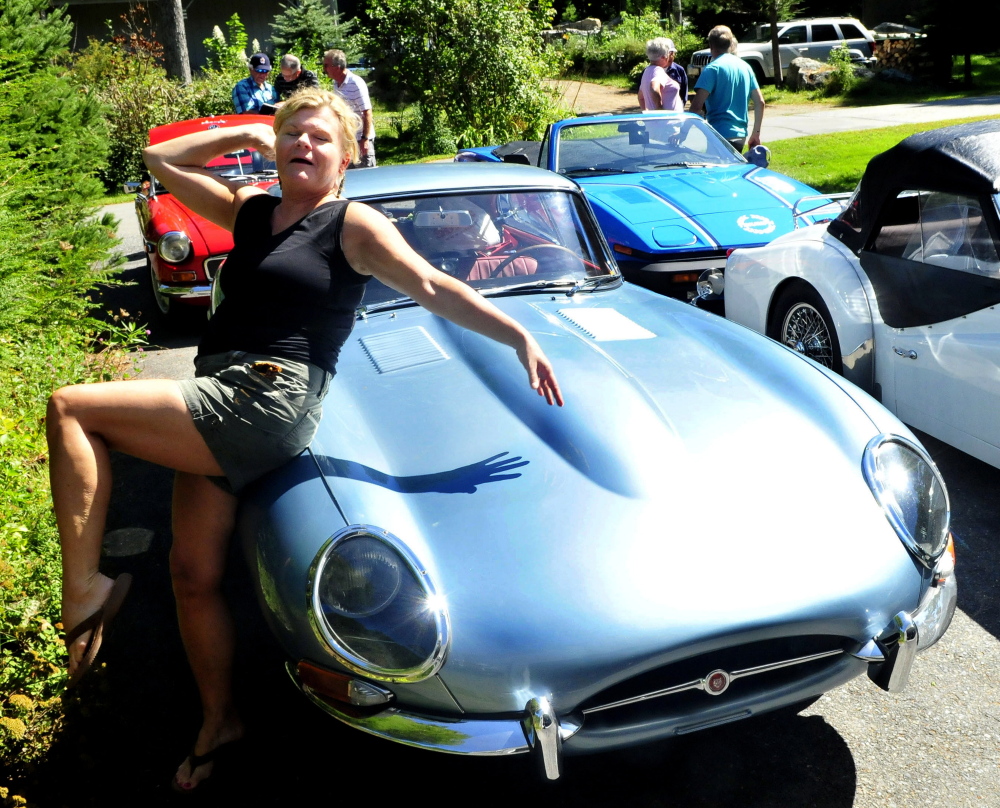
[(292, 283)]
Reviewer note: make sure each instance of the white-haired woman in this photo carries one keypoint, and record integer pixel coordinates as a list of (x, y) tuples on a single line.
[(658, 89), (262, 369)]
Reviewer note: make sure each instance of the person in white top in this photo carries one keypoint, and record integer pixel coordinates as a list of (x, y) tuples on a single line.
[(657, 89), (355, 92)]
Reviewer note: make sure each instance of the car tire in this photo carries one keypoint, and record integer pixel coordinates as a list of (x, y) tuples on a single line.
[(758, 72), (163, 303), (801, 321)]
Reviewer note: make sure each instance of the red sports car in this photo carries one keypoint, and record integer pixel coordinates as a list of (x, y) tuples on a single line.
[(183, 250)]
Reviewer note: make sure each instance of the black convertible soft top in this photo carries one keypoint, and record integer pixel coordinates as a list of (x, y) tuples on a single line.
[(963, 159)]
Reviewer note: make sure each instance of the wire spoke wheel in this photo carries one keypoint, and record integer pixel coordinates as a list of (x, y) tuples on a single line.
[(805, 330)]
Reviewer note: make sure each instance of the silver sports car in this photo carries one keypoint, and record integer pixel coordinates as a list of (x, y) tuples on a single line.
[(711, 528)]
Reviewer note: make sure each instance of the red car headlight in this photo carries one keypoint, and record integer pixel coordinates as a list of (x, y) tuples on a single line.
[(174, 247)]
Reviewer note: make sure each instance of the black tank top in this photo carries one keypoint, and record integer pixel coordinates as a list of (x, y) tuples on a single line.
[(290, 295)]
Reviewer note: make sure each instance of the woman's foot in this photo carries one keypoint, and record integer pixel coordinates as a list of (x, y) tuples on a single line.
[(208, 750), (87, 618)]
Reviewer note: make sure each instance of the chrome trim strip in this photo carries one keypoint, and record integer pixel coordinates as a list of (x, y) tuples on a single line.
[(699, 684), (681, 265)]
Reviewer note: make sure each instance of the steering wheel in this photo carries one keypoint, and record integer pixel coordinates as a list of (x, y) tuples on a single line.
[(533, 248)]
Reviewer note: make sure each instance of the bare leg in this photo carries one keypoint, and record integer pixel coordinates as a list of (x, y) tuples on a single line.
[(204, 517), (146, 419)]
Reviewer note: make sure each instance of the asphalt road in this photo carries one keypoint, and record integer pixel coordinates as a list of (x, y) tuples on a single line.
[(777, 126), (936, 744)]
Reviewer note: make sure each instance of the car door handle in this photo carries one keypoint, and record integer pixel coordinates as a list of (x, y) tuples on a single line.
[(907, 354)]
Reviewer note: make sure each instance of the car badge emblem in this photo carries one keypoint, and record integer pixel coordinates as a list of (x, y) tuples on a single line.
[(756, 224), (213, 126), (717, 682)]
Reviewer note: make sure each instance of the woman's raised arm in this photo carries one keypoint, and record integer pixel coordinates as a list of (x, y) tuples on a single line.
[(178, 165), (373, 246)]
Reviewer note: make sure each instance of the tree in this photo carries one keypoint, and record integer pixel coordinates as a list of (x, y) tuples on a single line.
[(475, 66), (34, 30), (308, 29), (174, 38)]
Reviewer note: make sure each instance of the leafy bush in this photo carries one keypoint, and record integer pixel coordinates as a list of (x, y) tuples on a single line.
[(842, 78), (477, 65), (622, 50), (54, 252), (136, 93)]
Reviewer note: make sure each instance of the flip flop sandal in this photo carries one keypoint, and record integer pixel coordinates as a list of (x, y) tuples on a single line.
[(98, 624), (220, 752)]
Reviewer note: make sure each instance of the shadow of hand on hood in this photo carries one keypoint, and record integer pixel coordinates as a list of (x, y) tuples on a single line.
[(462, 480)]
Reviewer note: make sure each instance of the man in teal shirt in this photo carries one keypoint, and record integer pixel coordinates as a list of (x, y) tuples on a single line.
[(724, 90)]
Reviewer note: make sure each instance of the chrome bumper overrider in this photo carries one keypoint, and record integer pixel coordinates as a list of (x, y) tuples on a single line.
[(539, 730)]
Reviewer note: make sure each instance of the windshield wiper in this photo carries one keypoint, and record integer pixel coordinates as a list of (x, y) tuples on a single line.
[(539, 286), (385, 305), (592, 283), (595, 171), (682, 164)]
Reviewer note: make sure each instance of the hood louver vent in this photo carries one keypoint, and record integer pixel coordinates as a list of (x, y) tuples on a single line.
[(605, 325), (403, 349)]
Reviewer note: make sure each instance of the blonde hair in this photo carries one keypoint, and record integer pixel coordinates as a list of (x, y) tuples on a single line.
[(317, 98)]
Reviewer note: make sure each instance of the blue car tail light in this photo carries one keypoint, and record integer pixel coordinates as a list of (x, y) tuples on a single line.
[(374, 605), (908, 486)]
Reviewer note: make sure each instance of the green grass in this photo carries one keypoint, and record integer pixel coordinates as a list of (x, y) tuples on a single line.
[(113, 198), (617, 80), (833, 163)]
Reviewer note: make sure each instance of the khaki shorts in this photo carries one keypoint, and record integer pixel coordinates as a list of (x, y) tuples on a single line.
[(255, 412)]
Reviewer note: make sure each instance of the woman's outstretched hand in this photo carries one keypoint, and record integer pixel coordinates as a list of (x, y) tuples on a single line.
[(540, 373)]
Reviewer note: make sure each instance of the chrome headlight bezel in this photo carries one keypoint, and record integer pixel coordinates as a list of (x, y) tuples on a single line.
[(927, 552), (341, 650), (174, 247)]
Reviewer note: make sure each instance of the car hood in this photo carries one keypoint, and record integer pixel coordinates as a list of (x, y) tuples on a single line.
[(700, 483), (699, 208)]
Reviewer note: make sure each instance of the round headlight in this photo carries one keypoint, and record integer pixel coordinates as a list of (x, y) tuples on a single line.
[(373, 604), (910, 490), (174, 247)]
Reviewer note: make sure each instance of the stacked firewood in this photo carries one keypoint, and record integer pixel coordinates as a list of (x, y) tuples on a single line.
[(902, 54)]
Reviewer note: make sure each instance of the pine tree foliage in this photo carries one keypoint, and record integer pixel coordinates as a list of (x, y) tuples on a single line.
[(308, 28), (34, 29)]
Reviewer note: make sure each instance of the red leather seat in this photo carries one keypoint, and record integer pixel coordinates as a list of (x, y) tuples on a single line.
[(485, 267)]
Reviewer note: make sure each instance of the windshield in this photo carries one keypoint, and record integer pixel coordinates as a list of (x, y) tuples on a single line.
[(241, 163), (644, 143), (499, 241)]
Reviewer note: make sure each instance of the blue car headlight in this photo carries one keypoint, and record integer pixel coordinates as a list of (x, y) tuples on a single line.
[(910, 490), (374, 605)]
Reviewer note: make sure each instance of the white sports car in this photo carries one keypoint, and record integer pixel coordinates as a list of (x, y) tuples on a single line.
[(900, 292)]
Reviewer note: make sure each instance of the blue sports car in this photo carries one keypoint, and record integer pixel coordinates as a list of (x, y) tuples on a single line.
[(455, 565), (671, 195)]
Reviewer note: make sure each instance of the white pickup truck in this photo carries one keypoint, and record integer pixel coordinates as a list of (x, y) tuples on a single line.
[(813, 38)]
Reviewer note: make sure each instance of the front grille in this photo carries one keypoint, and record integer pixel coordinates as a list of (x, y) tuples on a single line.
[(755, 668), (701, 58), (212, 265)]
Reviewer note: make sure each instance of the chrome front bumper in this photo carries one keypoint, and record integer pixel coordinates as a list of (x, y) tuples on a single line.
[(184, 292), (540, 731)]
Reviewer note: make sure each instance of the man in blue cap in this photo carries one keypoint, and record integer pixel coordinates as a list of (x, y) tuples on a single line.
[(254, 93)]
